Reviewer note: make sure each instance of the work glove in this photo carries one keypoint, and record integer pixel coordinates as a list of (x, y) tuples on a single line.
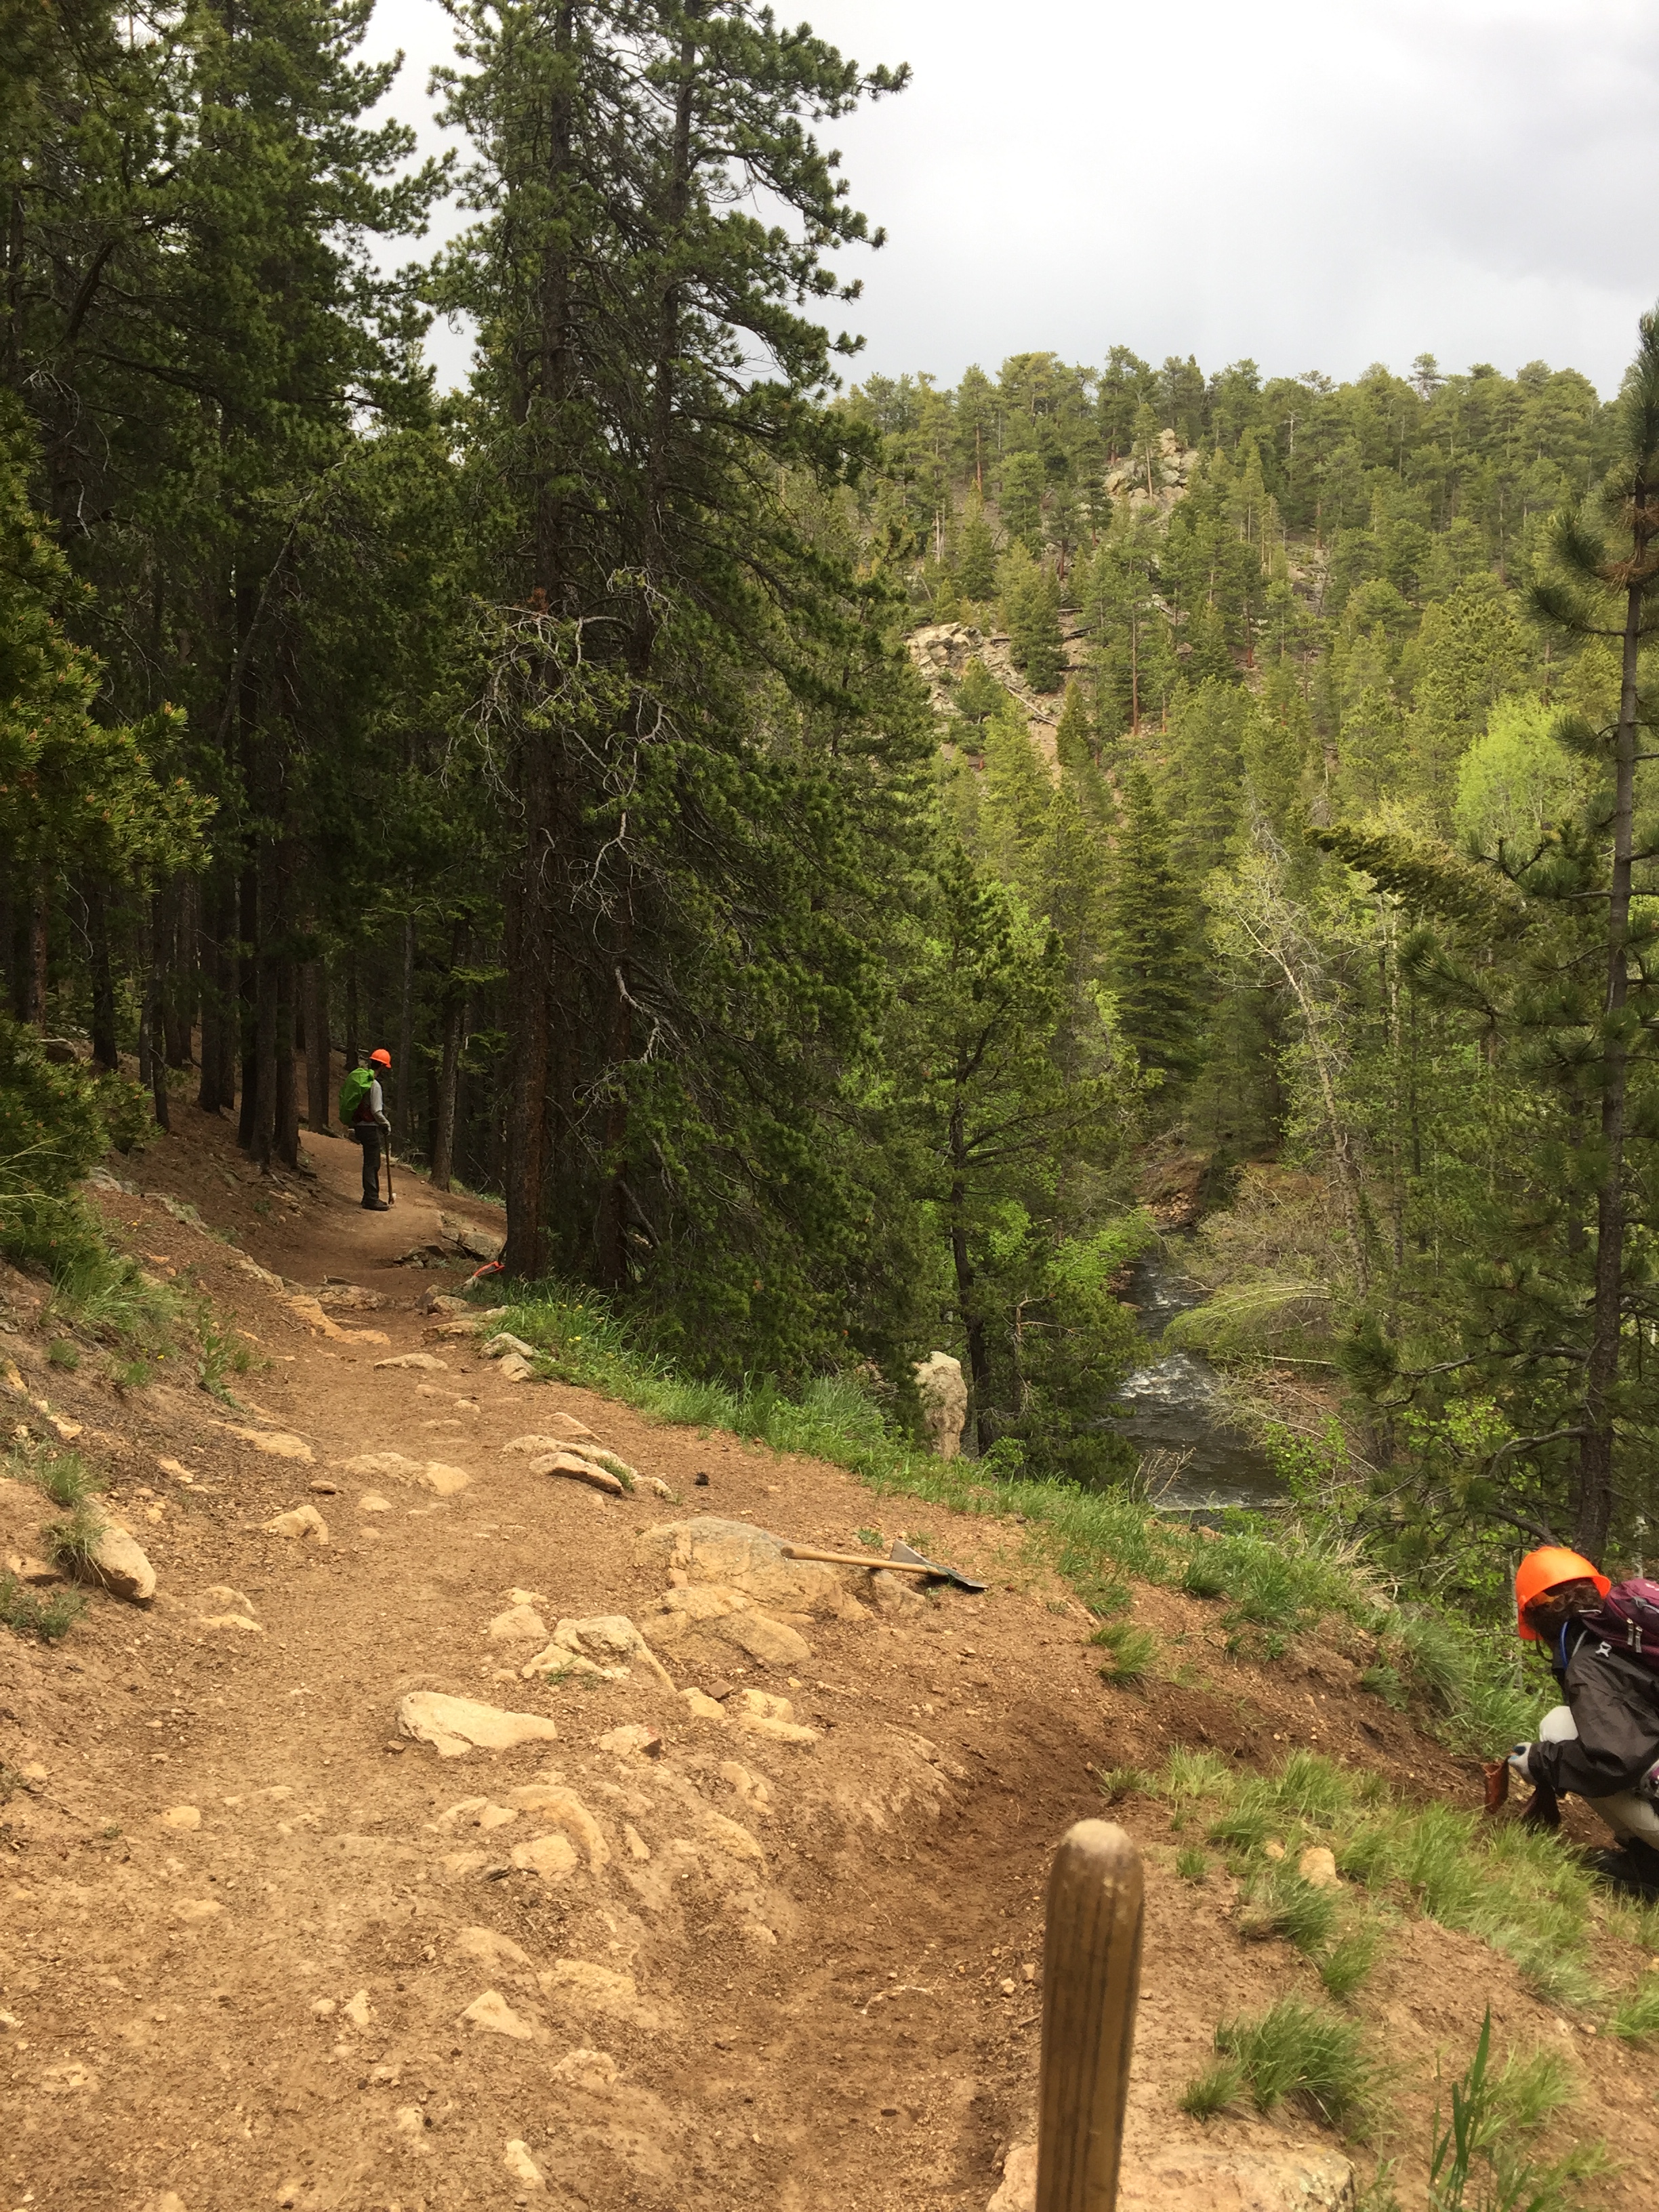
[(1519, 1762)]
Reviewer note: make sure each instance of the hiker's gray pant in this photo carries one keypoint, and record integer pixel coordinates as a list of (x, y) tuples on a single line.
[(1627, 1812), (367, 1135)]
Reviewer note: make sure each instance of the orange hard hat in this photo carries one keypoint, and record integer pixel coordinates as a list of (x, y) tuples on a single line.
[(1546, 1568), (381, 1059)]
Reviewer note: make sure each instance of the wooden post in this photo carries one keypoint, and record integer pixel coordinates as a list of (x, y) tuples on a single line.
[(1090, 1980)]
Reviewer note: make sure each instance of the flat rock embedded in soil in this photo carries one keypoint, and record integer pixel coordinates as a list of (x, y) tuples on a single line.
[(454, 1726), (561, 1429), (574, 1469), (277, 1443)]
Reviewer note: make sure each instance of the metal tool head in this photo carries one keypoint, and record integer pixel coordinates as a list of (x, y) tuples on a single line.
[(903, 1552)]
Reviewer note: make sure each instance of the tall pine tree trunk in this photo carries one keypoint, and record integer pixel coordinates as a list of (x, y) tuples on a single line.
[(287, 1118), (968, 1305), (318, 1070), (443, 1105), (105, 1050), (1595, 1502), (544, 377), (37, 966), (404, 1103), (247, 1002)]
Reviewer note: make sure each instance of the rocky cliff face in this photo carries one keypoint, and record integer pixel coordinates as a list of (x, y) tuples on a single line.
[(941, 650), (1156, 488)]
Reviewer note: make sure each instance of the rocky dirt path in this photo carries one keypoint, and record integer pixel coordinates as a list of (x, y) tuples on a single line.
[(752, 1923)]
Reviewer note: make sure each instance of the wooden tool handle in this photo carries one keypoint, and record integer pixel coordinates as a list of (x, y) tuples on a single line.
[(1090, 1980), (857, 1559)]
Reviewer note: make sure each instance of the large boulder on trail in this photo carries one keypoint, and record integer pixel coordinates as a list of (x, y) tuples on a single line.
[(943, 1397), (743, 1557)]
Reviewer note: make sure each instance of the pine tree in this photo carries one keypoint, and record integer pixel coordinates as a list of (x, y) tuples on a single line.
[(1022, 500), (977, 556), (978, 694), (1155, 968), (1030, 609)]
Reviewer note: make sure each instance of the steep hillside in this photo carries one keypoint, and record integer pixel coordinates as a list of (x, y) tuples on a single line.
[(752, 1921)]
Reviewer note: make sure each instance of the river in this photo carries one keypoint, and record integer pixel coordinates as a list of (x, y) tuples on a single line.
[(1193, 1457)]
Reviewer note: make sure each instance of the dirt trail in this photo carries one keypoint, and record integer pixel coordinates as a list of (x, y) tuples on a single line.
[(245, 1928)]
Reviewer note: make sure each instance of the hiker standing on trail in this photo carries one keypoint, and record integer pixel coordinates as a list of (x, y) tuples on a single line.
[(1603, 1744), (362, 1108)]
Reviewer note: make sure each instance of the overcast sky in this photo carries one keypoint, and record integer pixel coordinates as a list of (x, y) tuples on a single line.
[(1318, 184)]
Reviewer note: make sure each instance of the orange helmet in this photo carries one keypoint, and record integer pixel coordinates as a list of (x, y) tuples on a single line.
[(381, 1059), (1547, 1570)]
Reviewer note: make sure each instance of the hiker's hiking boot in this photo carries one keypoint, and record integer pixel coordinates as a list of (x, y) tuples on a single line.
[(375, 1205), (1631, 1867)]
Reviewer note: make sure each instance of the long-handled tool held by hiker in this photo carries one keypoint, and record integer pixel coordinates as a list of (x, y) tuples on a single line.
[(900, 1560), (389, 1198)]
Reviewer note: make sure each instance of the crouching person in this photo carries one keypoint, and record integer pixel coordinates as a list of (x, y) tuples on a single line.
[(1602, 1745)]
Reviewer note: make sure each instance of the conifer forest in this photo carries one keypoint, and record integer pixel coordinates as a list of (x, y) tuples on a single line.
[(847, 861)]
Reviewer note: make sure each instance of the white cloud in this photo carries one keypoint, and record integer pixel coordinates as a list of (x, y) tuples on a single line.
[(1314, 183)]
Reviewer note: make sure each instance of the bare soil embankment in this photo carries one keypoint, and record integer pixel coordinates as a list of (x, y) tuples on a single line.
[(258, 1946)]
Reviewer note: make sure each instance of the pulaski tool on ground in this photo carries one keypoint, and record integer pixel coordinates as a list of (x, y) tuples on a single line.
[(900, 1560)]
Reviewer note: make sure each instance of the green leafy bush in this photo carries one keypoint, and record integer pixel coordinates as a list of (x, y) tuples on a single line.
[(55, 1122)]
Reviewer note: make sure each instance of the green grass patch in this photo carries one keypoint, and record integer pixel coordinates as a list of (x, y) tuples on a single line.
[(1191, 1863), (105, 1294), (1130, 1651), (1212, 2091), (1305, 2053), (1634, 2017), (1348, 1964), (220, 1357), (73, 1486), (1277, 1901), (1117, 1781), (31, 1613), (1480, 2158), (64, 1476), (1515, 1888)]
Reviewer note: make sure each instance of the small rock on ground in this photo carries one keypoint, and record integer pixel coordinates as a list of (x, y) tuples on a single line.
[(454, 1726), (492, 2013), (118, 1561), (303, 1522), (520, 2164)]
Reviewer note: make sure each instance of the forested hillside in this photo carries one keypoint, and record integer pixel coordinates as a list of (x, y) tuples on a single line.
[(560, 735)]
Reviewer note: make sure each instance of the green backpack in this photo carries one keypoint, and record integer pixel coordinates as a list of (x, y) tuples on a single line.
[(358, 1083)]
